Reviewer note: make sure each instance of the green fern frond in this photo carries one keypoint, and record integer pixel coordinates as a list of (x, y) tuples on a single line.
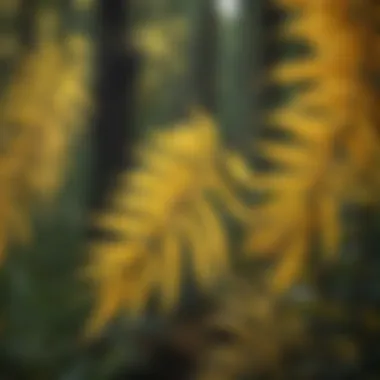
[(160, 209), (335, 150)]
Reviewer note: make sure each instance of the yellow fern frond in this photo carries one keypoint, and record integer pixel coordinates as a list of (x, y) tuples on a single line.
[(40, 120), (162, 208), (336, 113), (61, 125)]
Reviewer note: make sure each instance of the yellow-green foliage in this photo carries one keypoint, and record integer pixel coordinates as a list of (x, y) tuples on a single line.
[(39, 122), (334, 156), (159, 208)]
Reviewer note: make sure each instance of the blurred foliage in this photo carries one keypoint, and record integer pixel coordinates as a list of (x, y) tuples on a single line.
[(189, 182)]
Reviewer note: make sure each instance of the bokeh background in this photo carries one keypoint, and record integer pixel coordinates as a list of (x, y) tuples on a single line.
[(83, 83)]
